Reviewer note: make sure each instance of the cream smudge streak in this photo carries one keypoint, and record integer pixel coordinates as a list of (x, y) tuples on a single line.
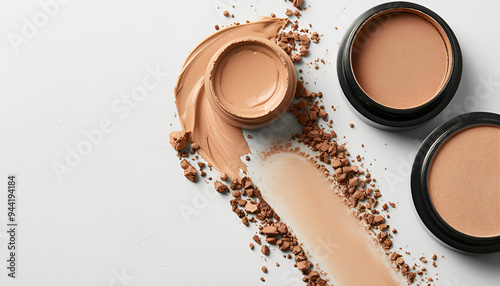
[(220, 143)]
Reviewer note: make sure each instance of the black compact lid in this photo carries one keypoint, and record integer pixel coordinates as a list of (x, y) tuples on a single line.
[(419, 188)]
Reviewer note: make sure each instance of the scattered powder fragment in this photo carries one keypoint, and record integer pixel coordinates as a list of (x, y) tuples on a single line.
[(225, 13), (190, 173), (434, 263), (247, 158), (434, 257), (351, 125), (184, 164), (203, 173), (313, 275), (217, 27), (201, 165), (273, 15), (423, 260), (277, 264), (265, 249), (264, 269), (392, 204), (220, 187), (385, 207), (249, 136), (251, 246), (262, 279), (256, 238), (296, 3), (289, 12), (179, 139), (195, 146)]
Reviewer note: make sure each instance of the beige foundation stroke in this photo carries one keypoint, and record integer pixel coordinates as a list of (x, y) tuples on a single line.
[(305, 198), (220, 143)]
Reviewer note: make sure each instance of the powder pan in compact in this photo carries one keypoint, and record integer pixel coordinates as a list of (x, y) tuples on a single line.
[(399, 65), (455, 183)]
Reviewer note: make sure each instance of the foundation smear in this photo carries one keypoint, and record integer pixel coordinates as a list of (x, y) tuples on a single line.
[(401, 60), (305, 198), (219, 143), (464, 181)]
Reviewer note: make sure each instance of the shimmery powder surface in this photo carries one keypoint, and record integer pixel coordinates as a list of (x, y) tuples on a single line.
[(464, 181)]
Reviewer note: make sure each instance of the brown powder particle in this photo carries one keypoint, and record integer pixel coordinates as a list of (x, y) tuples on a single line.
[(313, 275), (179, 139), (190, 173), (289, 12), (297, 3), (244, 220), (256, 238), (220, 187), (184, 164), (385, 207), (296, 57), (351, 125), (262, 279), (265, 249), (264, 269), (273, 15), (225, 13), (217, 27), (303, 265), (434, 257), (201, 165), (203, 173), (392, 204), (379, 219), (251, 207), (251, 246)]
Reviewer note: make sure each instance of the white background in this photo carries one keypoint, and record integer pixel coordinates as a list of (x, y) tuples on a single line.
[(118, 211)]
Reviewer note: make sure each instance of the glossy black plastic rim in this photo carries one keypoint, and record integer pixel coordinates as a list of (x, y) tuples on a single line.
[(420, 194), (383, 115)]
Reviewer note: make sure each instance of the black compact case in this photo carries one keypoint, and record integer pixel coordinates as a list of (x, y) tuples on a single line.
[(377, 114), (419, 185)]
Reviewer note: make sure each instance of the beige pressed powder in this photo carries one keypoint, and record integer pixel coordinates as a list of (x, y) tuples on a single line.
[(401, 58), (464, 181)]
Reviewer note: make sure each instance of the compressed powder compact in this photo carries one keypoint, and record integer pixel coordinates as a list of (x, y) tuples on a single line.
[(399, 65), (455, 182)]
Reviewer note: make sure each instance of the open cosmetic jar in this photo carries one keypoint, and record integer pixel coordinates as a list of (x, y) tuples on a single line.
[(250, 82), (455, 183), (399, 65)]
